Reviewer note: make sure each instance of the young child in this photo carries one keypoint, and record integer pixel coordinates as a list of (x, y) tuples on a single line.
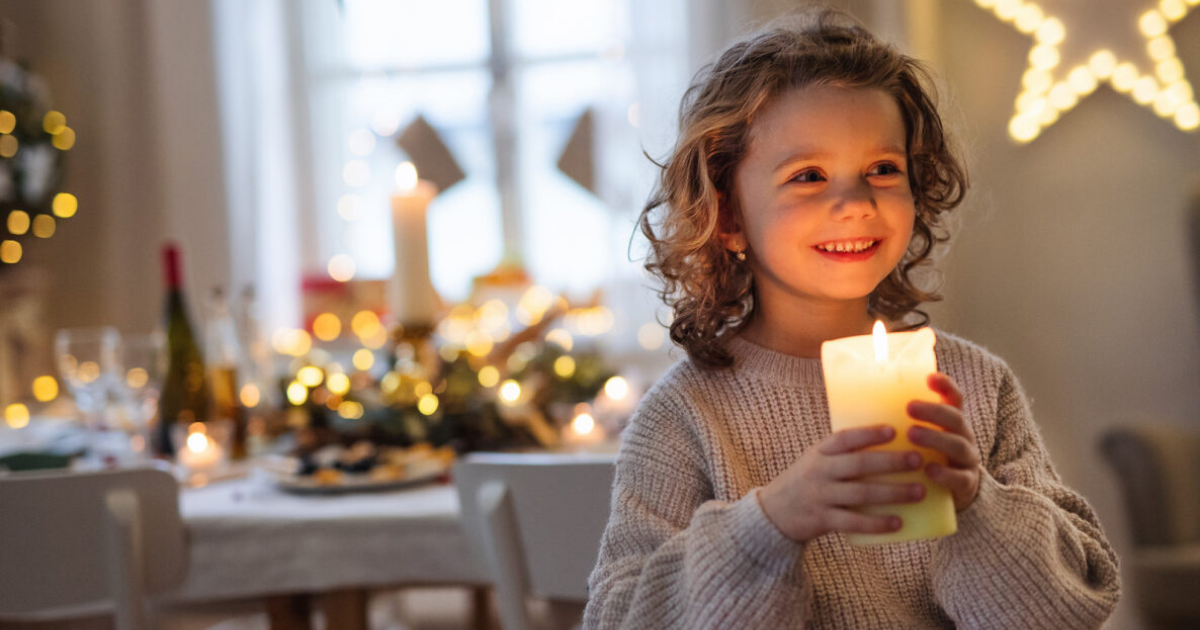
[(808, 181)]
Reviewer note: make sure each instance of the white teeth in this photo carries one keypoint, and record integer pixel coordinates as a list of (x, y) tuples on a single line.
[(856, 246)]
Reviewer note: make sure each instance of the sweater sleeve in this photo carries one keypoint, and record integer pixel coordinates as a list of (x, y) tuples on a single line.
[(672, 556), (1029, 552)]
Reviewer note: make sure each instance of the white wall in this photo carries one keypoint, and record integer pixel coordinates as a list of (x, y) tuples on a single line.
[(135, 80)]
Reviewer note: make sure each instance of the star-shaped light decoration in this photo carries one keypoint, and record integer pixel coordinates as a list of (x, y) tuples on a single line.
[(1126, 45)]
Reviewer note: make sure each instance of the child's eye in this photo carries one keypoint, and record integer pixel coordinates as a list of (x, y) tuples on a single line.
[(808, 177), (886, 168)]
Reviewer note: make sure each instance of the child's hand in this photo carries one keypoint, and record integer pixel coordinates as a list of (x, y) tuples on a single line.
[(957, 441), (813, 496)]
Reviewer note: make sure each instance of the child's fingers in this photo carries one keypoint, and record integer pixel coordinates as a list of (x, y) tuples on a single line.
[(852, 522), (861, 464), (854, 439), (958, 450), (868, 493), (948, 389), (944, 416), (952, 478)]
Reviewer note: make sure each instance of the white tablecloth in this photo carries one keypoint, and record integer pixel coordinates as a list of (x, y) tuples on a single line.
[(249, 539)]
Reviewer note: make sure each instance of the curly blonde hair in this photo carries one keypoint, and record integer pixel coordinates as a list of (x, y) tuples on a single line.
[(711, 294)]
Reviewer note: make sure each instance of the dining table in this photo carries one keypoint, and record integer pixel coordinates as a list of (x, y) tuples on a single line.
[(249, 538)]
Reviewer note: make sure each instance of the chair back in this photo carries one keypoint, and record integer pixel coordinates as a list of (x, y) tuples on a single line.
[(537, 519), (89, 540), (1158, 468)]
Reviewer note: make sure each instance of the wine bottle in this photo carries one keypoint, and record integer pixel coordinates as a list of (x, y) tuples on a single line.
[(224, 357), (185, 391)]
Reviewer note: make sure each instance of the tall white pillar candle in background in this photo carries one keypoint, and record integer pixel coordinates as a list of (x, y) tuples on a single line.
[(870, 380), (411, 293)]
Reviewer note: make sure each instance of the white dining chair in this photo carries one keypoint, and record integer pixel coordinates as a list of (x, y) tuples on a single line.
[(78, 544), (537, 520)]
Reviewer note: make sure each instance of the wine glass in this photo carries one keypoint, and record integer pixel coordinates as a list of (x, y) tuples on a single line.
[(88, 363), (143, 364)]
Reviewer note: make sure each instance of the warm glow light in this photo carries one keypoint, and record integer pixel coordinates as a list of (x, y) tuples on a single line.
[(616, 388), (54, 122), (1051, 32), (1145, 90), (88, 371), (327, 326), (1174, 10), (8, 122), (365, 324), (1062, 96), (489, 376), (1007, 9), (197, 442), (1169, 70), (1036, 80), (376, 340), (250, 396), (43, 226), (1081, 80), (10, 252), (385, 121), (292, 342), (350, 410), (1187, 117), (18, 222), (65, 205), (297, 393), (564, 366), (422, 388), (879, 338), (406, 177), (1102, 63), (534, 303), (390, 383), (356, 173), (45, 388), (1029, 19), (341, 268), (479, 343), (1044, 57), (8, 146), (1125, 76), (561, 338), (310, 376), (583, 424), (1161, 47), (427, 404), (338, 383), (64, 139), (510, 391), (137, 378), (363, 359), (16, 415), (650, 336), (1152, 23)]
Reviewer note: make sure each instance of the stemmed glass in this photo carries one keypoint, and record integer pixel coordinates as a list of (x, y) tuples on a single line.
[(143, 360), (88, 363)]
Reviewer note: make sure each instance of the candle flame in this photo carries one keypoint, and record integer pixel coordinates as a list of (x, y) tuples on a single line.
[(879, 333), (197, 442), (406, 177)]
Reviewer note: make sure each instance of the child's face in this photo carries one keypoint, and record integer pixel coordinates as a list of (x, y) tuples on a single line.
[(825, 166)]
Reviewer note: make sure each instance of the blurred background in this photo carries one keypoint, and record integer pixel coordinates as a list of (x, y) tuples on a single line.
[(264, 138)]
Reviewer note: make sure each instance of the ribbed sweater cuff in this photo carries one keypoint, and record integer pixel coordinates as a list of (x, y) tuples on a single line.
[(762, 542)]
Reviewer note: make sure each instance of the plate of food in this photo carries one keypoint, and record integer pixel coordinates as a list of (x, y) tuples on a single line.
[(362, 467)]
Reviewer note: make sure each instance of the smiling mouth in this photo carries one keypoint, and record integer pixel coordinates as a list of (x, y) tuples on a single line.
[(848, 247)]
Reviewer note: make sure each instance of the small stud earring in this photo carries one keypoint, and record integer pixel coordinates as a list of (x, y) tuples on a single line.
[(741, 255)]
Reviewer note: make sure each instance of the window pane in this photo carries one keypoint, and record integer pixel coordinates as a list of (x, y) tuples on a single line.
[(556, 27), (415, 32), (356, 123), (569, 232)]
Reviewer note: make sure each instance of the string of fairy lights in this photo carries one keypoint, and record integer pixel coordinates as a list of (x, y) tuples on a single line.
[(22, 222), (1051, 87)]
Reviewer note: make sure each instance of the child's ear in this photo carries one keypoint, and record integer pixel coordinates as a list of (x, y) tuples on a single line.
[(729, 226)]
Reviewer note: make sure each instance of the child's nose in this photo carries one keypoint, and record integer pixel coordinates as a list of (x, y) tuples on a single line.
[(856, 201)]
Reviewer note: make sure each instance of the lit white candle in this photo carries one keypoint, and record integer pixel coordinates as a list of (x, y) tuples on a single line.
[(413, 298), (870, 380), (200, 452)]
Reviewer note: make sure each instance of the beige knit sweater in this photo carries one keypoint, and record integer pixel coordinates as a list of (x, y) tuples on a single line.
[(688, 546)]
